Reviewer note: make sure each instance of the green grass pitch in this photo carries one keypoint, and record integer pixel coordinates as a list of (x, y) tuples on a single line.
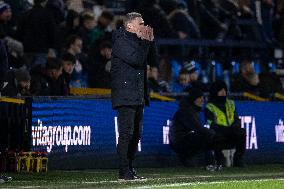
[(251, 177)]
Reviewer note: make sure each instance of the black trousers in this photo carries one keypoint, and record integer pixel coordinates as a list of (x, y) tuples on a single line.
[(130, 126), (229, 137), (194, 143)]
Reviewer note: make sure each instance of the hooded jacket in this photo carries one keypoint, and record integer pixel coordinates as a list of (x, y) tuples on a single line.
[(187, 120), (220, 103)]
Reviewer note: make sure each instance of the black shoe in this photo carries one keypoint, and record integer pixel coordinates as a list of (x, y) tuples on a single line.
[(125, 175), (137, 177)]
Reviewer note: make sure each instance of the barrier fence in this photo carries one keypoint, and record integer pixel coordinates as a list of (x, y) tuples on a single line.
[(82, 133)]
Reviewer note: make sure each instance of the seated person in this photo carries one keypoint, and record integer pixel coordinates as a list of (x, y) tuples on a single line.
[(222, 117), (154, 84), (49, 81), (187, 134), (194, 77), (183, 82), (248, 80), (68, 62), (16, 83)]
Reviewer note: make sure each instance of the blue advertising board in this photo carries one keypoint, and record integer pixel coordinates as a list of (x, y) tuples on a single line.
[(82, 133)]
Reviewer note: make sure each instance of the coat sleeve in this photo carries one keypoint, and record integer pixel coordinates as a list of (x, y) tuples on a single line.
[(237, 121), (210, 119), (133, 55), (152, 57), (191, 122)]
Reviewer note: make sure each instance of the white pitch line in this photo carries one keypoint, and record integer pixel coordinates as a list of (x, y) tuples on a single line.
[(144, 180), (159, 179), (203, 183), (24, 187)]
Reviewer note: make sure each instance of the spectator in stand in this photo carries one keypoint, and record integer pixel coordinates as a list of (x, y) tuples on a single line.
[(182, 22), (155, 85), (49, 81), (68, 62), (103, 27), (6, 29), (37, 31), (193, 77), (88, 23), (57, 8), (18, 7), (155, 17), (216, 22), (76, 5), (248, 80), (74, 47), (99, 69), (16, 83), (192, 70), (5, 16), (70, 27), (182, 83)]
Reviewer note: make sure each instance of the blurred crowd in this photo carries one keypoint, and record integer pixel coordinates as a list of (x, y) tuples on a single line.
[(48, 46)]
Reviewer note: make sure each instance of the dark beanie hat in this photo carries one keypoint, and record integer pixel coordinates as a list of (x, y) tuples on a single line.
[(69, 57), (53, 63), (190, 67), (216, 87), (4, 7), (194, 93), (22, 75)]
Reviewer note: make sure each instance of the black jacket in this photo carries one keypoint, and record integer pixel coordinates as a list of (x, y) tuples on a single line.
[(10, 86), (185, 121), (269, 83), (43, 85), (130, 56)]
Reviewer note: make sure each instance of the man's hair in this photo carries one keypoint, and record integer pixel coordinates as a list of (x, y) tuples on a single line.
[(107, 15), (183, 71), (87, 15), (53, 63), (105, 44), (244, 62), (130, 17), (68, 57), (71, 40)]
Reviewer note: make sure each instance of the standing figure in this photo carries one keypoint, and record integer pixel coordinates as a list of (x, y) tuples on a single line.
[(133, 49)]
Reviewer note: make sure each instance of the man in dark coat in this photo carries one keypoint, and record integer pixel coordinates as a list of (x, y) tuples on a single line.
[(187, 135), (49, 81), (264, 84), (132, 51), (16, 83)]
